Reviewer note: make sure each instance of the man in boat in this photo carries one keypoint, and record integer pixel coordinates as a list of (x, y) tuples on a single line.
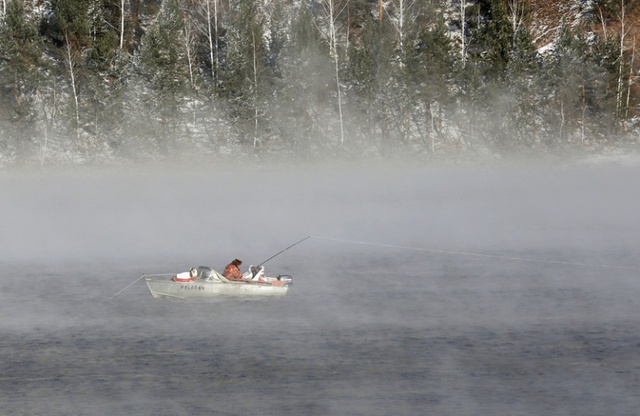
[(232, 271)]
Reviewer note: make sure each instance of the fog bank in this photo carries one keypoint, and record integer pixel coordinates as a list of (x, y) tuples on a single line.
[(210, 215), (437, 290)]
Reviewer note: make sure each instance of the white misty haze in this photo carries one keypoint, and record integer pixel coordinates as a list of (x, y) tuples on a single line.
[(210, 215), (384, 324)]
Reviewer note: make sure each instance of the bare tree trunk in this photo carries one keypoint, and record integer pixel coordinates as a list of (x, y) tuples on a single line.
[(45, 115), (339, 102), (72, 74), (516, 10), (44, 147), (463, 31), (217, 38), (122, 2), (584, 112), (255, 92), (604, 23), (399, 24), (433, 128), (562, 120), (212, 38), (333, 50), (346, 46), (49, 113), (623, 34), (188, 46), (630, 81), (208, 10)]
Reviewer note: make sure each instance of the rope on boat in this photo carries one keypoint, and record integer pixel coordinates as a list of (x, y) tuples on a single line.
[(490, 256), (126, 287), (144, 275)]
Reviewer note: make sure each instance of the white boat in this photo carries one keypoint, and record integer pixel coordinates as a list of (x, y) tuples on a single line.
[(205, 282)]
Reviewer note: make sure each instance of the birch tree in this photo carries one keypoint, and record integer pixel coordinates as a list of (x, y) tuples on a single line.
[(462, 13), (255, 88), (244, 78), (73, 25), (72, 58), (190, 57), (331, 14), (631, 77), (403, 14), (517, 10), (621, 59), (208, 26), (122, 11)]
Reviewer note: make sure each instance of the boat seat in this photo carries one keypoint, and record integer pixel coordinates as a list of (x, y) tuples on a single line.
[(204, 272)]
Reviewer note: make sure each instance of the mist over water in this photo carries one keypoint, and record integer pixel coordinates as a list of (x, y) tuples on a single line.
[(425, 290)]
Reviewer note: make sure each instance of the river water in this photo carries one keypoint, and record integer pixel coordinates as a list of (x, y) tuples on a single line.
[(440, 291)]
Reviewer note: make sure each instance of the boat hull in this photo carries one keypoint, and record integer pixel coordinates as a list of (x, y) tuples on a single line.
[(206, 289)]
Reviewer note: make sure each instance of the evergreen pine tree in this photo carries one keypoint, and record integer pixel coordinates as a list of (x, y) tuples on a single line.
[(522, 78), (165, 69), (429, 67), (600, 74), (246, 76), (372, 79), (20, 76), (302, 91), (492, 41), (562, 82), (99, 60)]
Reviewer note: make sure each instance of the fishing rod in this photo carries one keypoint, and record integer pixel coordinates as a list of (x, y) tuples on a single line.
[(283, 250)]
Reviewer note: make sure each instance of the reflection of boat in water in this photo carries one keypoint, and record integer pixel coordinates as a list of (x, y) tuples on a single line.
[(205, 282)]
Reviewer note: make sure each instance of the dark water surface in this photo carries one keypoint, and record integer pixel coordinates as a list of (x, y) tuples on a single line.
[(366, 330)]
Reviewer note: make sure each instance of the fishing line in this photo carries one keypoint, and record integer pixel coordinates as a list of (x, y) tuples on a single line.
[(482, 255)]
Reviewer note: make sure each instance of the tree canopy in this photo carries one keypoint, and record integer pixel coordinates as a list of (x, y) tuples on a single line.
[(94, 79)]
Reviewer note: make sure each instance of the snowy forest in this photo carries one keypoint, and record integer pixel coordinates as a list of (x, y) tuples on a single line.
[(98, 80)]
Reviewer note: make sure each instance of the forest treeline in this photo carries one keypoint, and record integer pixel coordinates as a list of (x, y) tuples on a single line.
[(92, 79)]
